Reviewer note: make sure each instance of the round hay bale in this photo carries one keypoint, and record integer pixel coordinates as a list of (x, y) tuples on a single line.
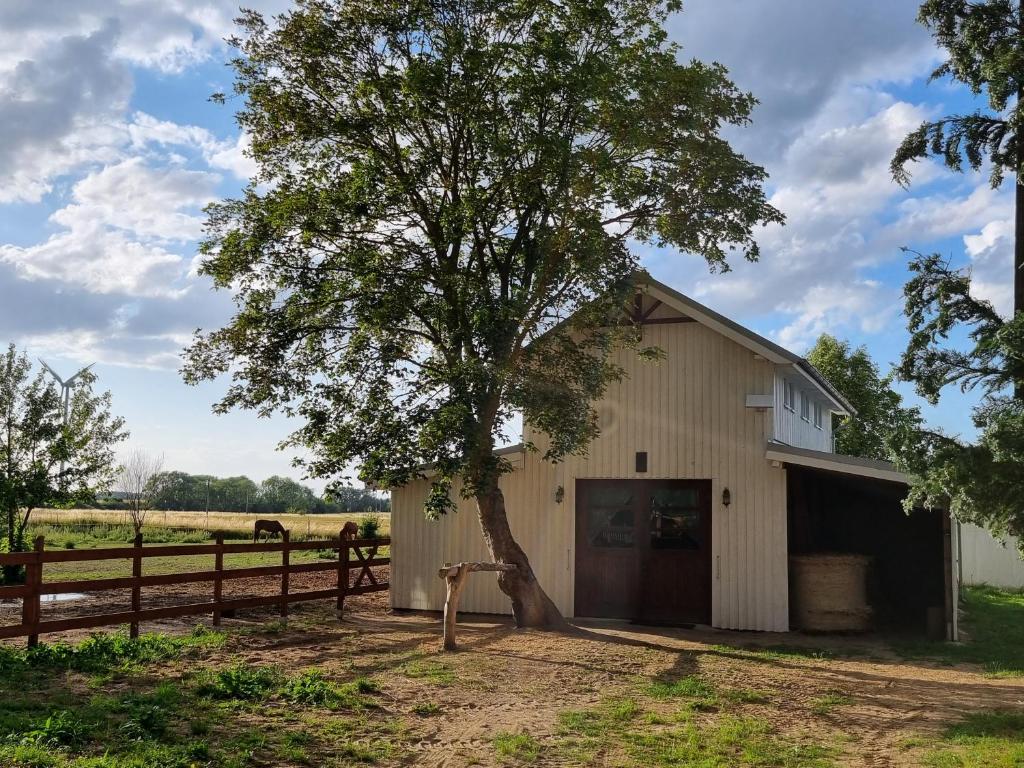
[(829, 592)]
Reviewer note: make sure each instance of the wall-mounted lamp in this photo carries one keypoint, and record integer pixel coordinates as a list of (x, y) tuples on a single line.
[(726, 497), (559, 494)]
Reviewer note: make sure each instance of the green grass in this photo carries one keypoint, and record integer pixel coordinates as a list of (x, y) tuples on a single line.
[(101, 653), (993, 626), (202, 716), (435, 672), (108, 569), (776, 652), (640, 729), (520, 747), (981, 740), (826, 704)]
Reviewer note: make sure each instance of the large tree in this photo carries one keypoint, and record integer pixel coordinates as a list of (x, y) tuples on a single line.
[(881, 421), (47, 458), (441, 185), (958, 338), (984, 42)]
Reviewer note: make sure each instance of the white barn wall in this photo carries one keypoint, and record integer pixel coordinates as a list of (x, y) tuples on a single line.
[(689, 413), (790, 427), (986, 560)]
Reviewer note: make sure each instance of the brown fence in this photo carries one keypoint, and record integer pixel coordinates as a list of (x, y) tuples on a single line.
[(32, 625)]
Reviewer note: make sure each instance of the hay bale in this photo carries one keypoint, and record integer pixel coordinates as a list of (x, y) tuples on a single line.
[(829, 592)]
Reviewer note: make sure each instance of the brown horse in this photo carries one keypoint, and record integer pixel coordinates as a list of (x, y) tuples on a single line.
[(349, 531), (269, 527)]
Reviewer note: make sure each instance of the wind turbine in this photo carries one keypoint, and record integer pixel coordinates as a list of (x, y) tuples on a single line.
[(66, 385)]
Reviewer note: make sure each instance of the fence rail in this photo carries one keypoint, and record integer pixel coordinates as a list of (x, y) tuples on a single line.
[(32, 625)]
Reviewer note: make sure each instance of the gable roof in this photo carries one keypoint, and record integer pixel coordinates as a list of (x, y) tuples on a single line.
[(745, 337)]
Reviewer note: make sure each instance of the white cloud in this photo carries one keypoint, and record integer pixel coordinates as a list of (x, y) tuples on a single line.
[(60, 113), (168, 36), (112, 347), (147, 202), (991, 252), (117, 229), (230, 155), (834, 186)]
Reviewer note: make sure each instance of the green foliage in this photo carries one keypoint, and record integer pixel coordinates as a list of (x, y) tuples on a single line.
[(61, 729), (990, 739), (439, 187), (43, 460), (369, 526), (980, 481), (182, 491), (994, 623), (521, 747), (104, 652), (985, 52), (240, 682), (310, 688), (881, 421)]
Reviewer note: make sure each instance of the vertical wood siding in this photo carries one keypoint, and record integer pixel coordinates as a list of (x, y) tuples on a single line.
[(790, 428), (986, 560), (688, 412)]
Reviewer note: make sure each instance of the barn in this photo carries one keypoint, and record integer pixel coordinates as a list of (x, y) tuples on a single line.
[(711, 486)]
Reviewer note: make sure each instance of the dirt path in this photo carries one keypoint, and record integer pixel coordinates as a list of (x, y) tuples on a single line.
[(509, 681)]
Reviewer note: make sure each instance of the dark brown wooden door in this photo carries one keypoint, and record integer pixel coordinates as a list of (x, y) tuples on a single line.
[(643, 550)]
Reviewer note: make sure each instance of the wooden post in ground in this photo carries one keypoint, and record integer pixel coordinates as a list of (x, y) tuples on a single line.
[(218, 580), (455, 577), (133, 627), (342, 571), (30, 610), (284, 574)]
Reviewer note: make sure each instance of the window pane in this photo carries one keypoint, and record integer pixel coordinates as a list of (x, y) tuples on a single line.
[(610, 518), (675, 519)]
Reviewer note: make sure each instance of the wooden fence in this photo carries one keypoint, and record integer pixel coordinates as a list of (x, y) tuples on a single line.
[(32, 625)]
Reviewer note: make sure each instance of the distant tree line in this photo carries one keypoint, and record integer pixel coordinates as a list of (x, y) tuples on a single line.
[(276, 494)]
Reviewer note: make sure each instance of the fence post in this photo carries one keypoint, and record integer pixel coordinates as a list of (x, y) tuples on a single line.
[(218, 582), (133, 630), (343, 554), (285, 560), (30, 611)]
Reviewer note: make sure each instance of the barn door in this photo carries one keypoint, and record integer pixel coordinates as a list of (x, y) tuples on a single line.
[(608, 518), (675, 554), (643, 550)]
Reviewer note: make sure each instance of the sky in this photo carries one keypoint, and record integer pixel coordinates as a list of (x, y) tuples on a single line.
[(110, 147)]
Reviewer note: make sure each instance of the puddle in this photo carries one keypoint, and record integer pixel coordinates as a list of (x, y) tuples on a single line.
[(47, 598), (61, 598)]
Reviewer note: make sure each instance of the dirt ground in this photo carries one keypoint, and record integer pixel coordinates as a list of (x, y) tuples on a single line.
[(504, 680)]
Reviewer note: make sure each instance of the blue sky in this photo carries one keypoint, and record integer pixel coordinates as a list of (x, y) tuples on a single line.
[(109, 148)]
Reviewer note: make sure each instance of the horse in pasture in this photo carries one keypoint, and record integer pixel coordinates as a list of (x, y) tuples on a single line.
[(269, 527), (349, 531)]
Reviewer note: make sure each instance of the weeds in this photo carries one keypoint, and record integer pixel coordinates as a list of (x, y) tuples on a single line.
[(239, 682), (517, 746)]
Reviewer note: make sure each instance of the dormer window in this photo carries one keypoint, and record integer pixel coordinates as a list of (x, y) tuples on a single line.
[(789, 396), (817, 415), (805, 407)]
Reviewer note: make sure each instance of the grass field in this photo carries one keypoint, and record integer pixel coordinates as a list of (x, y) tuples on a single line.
[(89, 529), (374, 690), (227, 522)]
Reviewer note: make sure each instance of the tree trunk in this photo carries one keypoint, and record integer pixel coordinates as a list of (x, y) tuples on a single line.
[(531, 606)]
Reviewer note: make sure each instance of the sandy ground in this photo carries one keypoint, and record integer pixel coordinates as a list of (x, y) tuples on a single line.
[(508, 680)]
